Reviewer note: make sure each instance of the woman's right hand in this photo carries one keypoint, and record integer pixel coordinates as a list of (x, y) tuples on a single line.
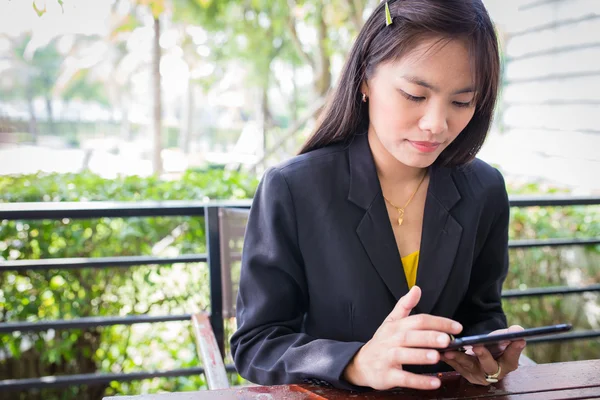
[(402, 339)]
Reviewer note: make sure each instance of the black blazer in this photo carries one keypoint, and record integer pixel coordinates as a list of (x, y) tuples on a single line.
[(321, 268)]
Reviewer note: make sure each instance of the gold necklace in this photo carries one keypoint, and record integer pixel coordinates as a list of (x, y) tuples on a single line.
[(401, 209)]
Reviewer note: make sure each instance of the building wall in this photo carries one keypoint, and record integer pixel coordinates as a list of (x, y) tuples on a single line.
[(550, 107)]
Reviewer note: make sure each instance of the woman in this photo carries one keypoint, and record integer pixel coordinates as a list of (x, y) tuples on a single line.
[(386, 196)]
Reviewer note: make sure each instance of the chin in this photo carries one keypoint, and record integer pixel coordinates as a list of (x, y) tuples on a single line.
[(416, 160)]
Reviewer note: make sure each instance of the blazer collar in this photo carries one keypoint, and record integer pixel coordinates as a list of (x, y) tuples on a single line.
[(364, 182), (440, 236)]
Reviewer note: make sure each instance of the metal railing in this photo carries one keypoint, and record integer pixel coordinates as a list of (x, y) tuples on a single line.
[(57, 211)]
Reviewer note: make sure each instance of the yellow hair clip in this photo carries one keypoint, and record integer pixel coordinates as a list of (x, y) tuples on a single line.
[(388, 16)]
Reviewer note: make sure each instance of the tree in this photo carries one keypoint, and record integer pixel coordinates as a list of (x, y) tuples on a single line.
[(157, 7), (269, 31), (260, 32), (33, 74)]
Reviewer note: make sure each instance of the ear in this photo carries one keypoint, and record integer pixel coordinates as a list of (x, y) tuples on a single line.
[(364, 88)]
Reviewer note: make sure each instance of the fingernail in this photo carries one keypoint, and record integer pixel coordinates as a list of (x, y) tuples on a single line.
[(456, 326), (432, 355), (442, 339), (449, 356), (435, 383)]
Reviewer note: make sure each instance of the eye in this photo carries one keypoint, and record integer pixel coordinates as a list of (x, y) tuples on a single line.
[(460, 104), (410, 97)]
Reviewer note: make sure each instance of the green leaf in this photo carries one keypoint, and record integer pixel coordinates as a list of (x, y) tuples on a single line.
[(39, 11)]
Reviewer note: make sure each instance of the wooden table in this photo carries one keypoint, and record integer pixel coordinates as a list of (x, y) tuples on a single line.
[(570, 380)]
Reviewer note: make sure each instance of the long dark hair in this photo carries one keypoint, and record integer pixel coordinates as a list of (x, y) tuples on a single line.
[(345, 114)]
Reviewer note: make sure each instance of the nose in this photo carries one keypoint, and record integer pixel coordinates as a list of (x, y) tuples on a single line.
[(434, 120)]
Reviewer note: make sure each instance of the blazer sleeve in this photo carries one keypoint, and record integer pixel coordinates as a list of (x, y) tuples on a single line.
[(481, 310), (269, 346)]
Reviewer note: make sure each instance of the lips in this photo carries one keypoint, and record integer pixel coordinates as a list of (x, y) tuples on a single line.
[(425, 147)]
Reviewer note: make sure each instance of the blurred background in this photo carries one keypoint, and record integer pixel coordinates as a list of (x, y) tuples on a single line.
[(129, 100)]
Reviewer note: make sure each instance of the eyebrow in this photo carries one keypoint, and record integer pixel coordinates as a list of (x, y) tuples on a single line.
[(421, 82)]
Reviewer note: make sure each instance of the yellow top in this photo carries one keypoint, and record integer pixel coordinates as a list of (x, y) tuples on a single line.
[(410, 264)]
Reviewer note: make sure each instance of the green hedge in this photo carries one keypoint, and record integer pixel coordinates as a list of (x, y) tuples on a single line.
[(183, 288), (65, 294), (560, 266)]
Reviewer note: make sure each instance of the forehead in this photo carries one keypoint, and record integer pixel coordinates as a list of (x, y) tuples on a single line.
[(440, 61)]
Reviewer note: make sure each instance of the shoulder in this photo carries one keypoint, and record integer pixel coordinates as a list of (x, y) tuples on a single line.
[(315, 166), (481, 182), (313, 159), (481, 173)]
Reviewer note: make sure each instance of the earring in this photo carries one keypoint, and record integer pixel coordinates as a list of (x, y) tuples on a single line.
[(364, 97)]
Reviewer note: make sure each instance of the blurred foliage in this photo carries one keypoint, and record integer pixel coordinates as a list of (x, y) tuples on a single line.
[(74, 293), (556, 266), (284, 46)]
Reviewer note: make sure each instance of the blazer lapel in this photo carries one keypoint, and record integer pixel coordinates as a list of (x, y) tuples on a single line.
[(374, 230), (440, 238)]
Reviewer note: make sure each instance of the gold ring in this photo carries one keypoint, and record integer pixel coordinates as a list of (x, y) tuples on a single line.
[(493, 378)]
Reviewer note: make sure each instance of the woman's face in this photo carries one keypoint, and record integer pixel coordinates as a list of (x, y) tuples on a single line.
[(419, 104)]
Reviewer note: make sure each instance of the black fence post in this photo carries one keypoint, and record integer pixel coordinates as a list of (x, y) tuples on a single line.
[(213, 252)]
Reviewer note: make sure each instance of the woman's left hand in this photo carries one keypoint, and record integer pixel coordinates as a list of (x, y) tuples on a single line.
[(475, 364)]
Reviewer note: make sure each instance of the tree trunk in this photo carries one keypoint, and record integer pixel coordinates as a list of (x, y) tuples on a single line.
[(294, 108), (33, 128), (356, 10), (323, 74), (264, 108), (49, 84), (156, 155), (311, 113), (188, 119), (125, 125), (49, 110)]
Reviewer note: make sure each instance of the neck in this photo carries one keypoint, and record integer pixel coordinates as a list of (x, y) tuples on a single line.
[(389, 169)]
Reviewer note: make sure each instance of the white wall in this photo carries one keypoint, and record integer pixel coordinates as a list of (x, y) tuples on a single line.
[(550, 109)]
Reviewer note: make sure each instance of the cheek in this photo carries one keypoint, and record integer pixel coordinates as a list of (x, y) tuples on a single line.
[(391, 116), (459, 123)]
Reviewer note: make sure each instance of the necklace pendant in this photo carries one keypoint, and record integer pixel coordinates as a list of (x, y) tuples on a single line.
[(400, 216)]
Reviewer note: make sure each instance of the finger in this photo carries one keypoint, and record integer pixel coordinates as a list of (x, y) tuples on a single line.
[(515, 328), (422, 339), (497, 349), (405, 305), (456, 366), (465, 373), (449, 355), (464, 360), (512, 328), (510, 358), (488, 364), (407, 356), (430, 322), (404, 379)]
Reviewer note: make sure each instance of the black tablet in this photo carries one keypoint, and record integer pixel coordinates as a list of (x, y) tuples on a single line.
[(493, 342)]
